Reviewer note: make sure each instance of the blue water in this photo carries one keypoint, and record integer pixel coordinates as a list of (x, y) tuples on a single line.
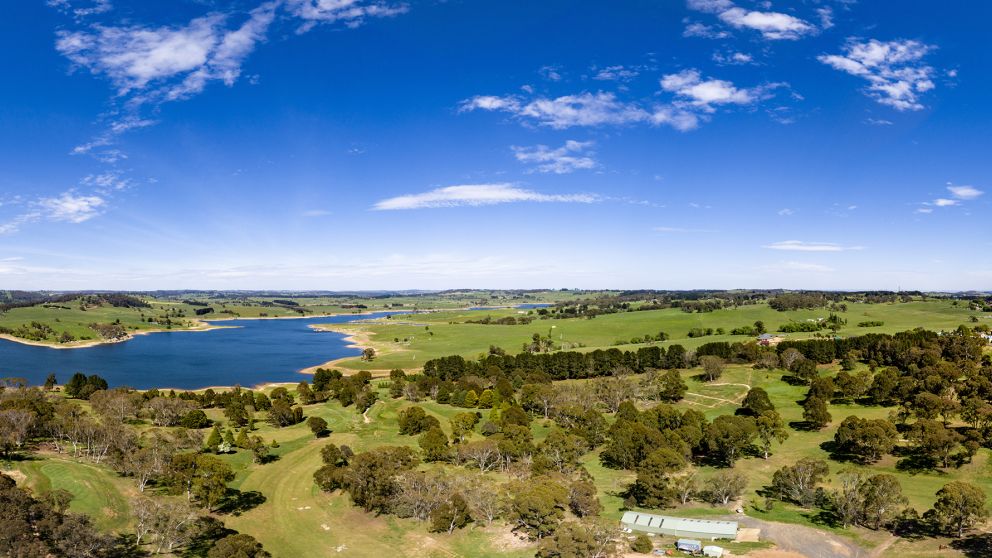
[(255, 352)]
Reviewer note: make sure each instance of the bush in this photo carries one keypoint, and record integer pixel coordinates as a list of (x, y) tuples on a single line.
[(642, 543)]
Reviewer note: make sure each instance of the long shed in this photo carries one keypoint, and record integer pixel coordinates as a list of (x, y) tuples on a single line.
[(705, 529)]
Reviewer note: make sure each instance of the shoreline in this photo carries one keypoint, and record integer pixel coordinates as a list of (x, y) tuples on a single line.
[(351, 338), (201, 326)]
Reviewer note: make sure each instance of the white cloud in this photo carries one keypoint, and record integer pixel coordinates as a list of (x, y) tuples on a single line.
[(352, 13), (785, 212), (801, 246), (925, 210), (616, 73), (965, 192), (574, 155), (583, 109), (944, 202), (709, 6), (316, 213), (894, 70), (771, 25), (826, 14), (72, 207), (878, 122), (550, 73), (732, 58), (82, 9), (477, 195), (703, 31), (691, 88)]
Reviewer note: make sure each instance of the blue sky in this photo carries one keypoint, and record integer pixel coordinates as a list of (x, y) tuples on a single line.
[(349, 144)]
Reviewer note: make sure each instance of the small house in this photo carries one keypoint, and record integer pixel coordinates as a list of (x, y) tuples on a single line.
[(689, 545), (768, 339), (712, 551), (705, 529)]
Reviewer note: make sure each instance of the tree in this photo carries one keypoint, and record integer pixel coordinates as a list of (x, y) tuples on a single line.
[(770, 427), (318, 426), (712, 367), (200, 476), (50, 382), (462, 424), (560, 451), (671, 387), (215, 439), (370, 477), (757, 402), (882, 499), (368, 354), (866, 439), (959, 506), (434, 445), (725, 486), (118, 404), (815, 413), (933, 440), (414, 420), (611, 391), (582, 499), (537, 506), (195, 420), (729, 436), (237, 546), (642, 544), (685, 485), (652, 488), (451, 515), (798, 483), (581, 540), (484, 454)]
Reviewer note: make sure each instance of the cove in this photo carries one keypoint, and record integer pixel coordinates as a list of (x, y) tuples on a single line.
[(251, 353)]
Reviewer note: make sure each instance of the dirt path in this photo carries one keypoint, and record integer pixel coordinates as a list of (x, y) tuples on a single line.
[(805, 541)]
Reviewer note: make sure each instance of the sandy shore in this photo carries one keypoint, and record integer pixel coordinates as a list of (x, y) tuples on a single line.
[(200, 326), (360, 340)]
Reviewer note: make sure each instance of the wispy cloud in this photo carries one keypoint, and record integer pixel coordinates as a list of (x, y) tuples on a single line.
[(615, 73), (694, 98), (477, 195), (959, 195), (574, 155), (801, 246), (583, 109), (895, 70), (695, 29), (964, 192), (732, 58), (785, 212), (351, 13)]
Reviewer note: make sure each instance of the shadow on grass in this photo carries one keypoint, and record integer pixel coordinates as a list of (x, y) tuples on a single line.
[(125, 547), (974, 546), (211, 530), (238, 502)]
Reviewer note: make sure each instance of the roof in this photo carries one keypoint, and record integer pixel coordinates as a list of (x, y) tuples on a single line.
[(705, 526)]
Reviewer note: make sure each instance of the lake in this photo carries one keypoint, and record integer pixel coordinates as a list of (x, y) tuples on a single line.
[(255, 352)]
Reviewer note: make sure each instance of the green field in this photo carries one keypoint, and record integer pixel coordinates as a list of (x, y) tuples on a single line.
[(408, 341)]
